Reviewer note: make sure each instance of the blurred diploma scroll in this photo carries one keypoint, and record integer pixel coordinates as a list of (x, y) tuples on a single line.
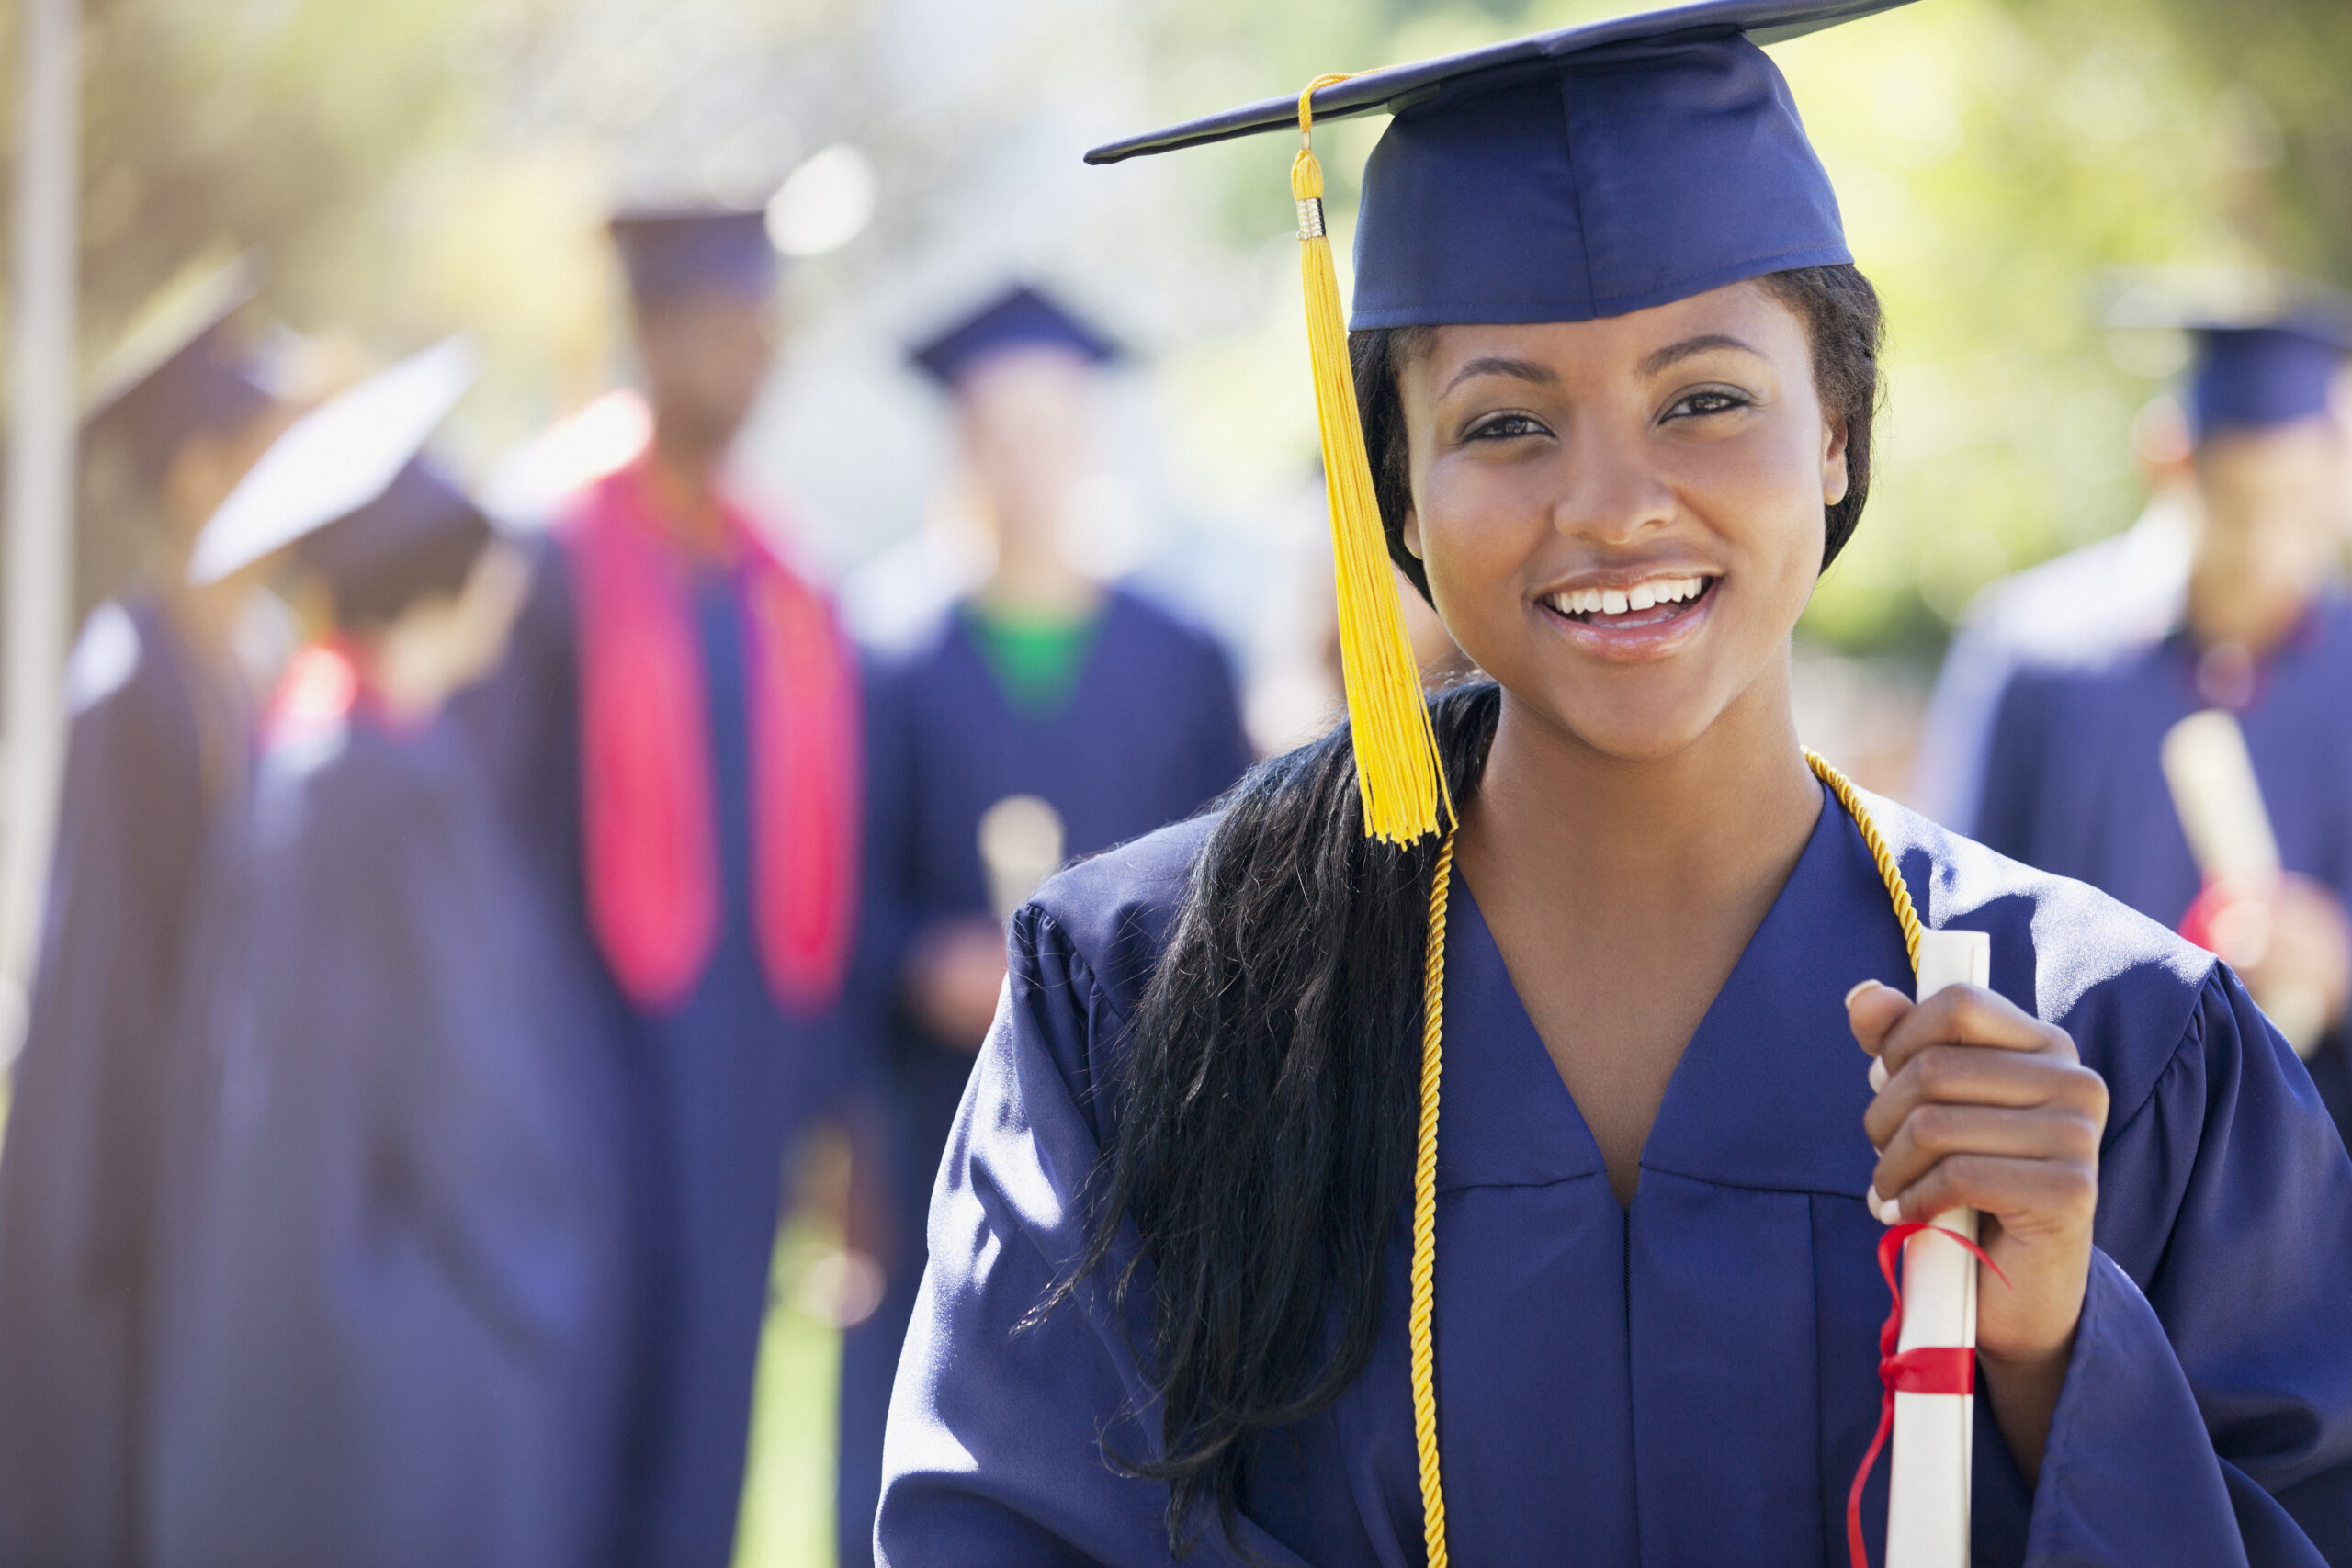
[(1928, 1474), (2210, 774), (1020, 844)]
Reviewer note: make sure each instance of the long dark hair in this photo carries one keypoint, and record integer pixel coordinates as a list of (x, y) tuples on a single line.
[(1262, 1108)]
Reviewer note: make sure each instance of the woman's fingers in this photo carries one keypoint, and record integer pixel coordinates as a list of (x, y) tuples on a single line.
[(1932, 1133), (2029, 1195), (1972, 1075), (1963, 1015)]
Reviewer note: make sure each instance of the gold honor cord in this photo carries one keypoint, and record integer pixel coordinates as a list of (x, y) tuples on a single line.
[(1418, 1330), (1388, 719)]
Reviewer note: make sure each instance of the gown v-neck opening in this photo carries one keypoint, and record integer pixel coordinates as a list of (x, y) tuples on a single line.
[(1476, 958)]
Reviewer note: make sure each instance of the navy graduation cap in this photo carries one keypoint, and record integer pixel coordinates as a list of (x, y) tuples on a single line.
[(1592, 171), (1019, 317), (2269, 348), (674, 251), (418, 537), (2258, 378), (183, 373), (351, 465)]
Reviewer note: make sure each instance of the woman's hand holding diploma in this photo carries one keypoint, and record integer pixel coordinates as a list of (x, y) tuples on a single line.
[(1983, 1105)]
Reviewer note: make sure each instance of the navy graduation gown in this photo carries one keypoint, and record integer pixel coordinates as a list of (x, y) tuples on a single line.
[(1149, 733), (153, 744), (2075, 782), (720, 1088), (1690, 1380), (389, 1328)]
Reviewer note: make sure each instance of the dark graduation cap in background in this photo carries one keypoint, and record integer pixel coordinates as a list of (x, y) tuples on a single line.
[(672, 252), (350, 488), (1592, 171), (182, 372), (2267, 350), (1021, 316)]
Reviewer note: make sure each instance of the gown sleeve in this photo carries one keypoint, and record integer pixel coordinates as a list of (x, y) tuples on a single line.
[(999, 1428), (2207, 1412)]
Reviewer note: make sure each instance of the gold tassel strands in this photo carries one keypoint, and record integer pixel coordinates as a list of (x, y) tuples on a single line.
[(1396, 764)]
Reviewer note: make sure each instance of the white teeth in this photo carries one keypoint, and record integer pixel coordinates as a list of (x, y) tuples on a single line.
[(1619, 602)]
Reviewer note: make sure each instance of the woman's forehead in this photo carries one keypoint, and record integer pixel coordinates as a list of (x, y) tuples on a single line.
[(1745, 315)]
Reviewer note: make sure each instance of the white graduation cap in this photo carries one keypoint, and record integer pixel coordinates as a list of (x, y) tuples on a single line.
[(336, 459)]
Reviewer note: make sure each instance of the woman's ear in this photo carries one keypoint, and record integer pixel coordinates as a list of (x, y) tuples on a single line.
[(1833, 478), (1412, 534)]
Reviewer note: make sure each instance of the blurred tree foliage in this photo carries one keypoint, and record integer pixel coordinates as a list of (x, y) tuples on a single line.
[(213, 127), (401, 165), (2290, 61)]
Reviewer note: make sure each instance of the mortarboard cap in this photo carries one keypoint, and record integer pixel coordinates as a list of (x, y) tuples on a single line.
[(2258, 378), (418, 538), (2267, 348), (1591, 171), (670, 252), (180, 373), (1019, 317), (335, 461)]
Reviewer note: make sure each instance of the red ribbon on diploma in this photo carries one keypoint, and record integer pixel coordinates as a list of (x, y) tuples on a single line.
[(1930, 1369)]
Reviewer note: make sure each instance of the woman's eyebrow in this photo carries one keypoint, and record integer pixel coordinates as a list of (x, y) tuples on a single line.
[(1517, 369), (1675, 353)]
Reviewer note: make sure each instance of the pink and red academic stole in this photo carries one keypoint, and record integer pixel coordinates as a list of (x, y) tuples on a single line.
[(647, 800), (1930, 1369)]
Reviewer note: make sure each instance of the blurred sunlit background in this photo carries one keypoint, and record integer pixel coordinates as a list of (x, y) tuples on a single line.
[(405, 168)]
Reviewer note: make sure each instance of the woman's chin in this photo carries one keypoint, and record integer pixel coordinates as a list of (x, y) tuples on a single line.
[(1644, 730)]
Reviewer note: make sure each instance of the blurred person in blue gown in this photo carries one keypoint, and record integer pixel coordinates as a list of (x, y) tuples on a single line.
[(675, 730), (157, 746), (2074, 610), (390, 1327), (1350, 1181), (1048, 715), (2074, 782)]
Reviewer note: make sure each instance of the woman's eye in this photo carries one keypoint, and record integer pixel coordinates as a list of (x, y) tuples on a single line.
[(1505, 428), (1712, 400)]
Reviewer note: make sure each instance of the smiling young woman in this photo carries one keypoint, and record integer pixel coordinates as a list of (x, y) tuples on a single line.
[(1216, 1268)]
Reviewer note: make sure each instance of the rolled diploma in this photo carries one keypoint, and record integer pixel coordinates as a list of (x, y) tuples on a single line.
[(1021, 845), (2211, 775), (1928, 1471)]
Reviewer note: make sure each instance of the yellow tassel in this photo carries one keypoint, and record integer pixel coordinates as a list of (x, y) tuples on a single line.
[(1396, 764)]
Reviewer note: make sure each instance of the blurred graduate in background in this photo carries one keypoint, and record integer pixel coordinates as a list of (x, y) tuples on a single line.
[(2084, 775), (388, 1325), (2076, 610), (157, 745), (1048, 715), (675, 730)]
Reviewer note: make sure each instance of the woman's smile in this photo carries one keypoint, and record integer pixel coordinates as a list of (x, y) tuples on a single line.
[(1626, 618)]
